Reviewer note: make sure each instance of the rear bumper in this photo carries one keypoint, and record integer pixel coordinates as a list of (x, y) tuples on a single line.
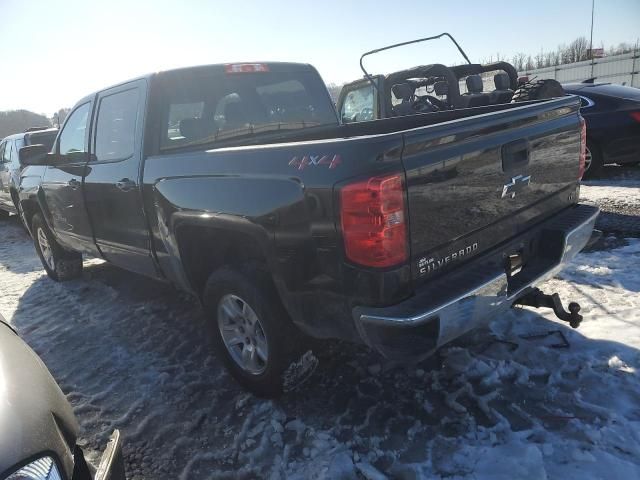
[(471, 296)]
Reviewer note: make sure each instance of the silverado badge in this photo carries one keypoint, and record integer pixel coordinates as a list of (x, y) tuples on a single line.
[(430, 265)]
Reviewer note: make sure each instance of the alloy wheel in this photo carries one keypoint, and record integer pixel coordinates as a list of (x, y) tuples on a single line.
[(587, 159), (45, 249), (243, 334)]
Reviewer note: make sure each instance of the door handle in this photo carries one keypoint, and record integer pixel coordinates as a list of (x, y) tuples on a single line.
[(125, 184), (73, 183), (515, 156)]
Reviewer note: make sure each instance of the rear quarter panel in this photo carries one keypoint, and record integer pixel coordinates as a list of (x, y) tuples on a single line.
[(283, 197)]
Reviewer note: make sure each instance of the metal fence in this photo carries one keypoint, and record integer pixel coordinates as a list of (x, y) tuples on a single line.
[(623, 69)]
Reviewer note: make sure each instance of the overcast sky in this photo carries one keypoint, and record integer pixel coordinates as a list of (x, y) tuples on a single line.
[(54, 52)]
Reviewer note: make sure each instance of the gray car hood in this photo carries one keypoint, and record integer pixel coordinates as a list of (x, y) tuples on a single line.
[(35, 417)]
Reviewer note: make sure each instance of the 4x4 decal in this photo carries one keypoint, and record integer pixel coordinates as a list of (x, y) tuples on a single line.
[(314, 160)]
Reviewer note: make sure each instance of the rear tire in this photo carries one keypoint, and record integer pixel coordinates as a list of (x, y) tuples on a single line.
[(250, 329), (60, 264), (597, 163)]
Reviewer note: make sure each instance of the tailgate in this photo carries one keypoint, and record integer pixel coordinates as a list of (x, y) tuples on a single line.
[(476, 182)]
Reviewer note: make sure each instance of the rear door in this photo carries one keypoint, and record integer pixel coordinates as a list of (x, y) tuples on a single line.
[(62, 182), (477, 182), (112, 192)]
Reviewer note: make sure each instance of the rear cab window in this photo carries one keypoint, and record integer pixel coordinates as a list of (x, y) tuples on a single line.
[(211, 105)]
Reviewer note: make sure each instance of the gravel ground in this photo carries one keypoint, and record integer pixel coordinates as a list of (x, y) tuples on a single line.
[(508, 402)]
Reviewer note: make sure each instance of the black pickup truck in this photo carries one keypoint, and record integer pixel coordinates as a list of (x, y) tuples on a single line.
[(238, 183)]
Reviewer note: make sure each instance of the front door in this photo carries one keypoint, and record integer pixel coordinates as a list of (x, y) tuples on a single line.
[(112, 184), (62, 183)]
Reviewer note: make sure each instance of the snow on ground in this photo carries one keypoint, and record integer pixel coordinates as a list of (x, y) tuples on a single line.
[(129, 353)]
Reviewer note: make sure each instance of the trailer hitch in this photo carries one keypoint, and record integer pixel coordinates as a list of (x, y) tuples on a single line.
[(536, 298)]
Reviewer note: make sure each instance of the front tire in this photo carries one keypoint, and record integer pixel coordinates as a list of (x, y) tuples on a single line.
[(250, 330), (60, 264)]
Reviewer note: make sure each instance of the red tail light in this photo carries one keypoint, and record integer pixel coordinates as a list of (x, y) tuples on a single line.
[(373, 221), (635, 116), (583, 147)]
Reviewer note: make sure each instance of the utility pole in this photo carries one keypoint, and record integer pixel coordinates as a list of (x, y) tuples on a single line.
[(635, 56), (593, 5)]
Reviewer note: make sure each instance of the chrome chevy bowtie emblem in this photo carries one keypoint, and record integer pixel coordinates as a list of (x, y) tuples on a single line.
[(516, 185)]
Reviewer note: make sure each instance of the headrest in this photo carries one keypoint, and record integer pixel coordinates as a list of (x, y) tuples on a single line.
[(502, 81), (193, 128), (474, 84), (403, 91), (441, 88)]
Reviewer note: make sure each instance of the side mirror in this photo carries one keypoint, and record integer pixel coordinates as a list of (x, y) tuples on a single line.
[(34, 155)]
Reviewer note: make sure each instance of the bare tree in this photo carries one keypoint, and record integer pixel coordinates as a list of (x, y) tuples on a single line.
[(578, 50), (529, 65), (518, 61), (539, 59), (60, 116)]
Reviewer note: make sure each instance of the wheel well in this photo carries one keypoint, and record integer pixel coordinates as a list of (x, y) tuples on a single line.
[(204, 249), (29, 209)]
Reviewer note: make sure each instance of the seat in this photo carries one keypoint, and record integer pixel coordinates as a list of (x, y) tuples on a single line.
[(441, 88), (474, 96), (503, 92), (235, 116), (194, 128), (404, 92)]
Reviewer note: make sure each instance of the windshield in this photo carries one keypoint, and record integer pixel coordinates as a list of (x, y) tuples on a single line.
[(359, 104), (209, 107)]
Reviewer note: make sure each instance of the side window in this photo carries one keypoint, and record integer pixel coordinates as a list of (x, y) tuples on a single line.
[(6, 156), (2, 145), (116, 126), (73, 138), (358, 105)]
